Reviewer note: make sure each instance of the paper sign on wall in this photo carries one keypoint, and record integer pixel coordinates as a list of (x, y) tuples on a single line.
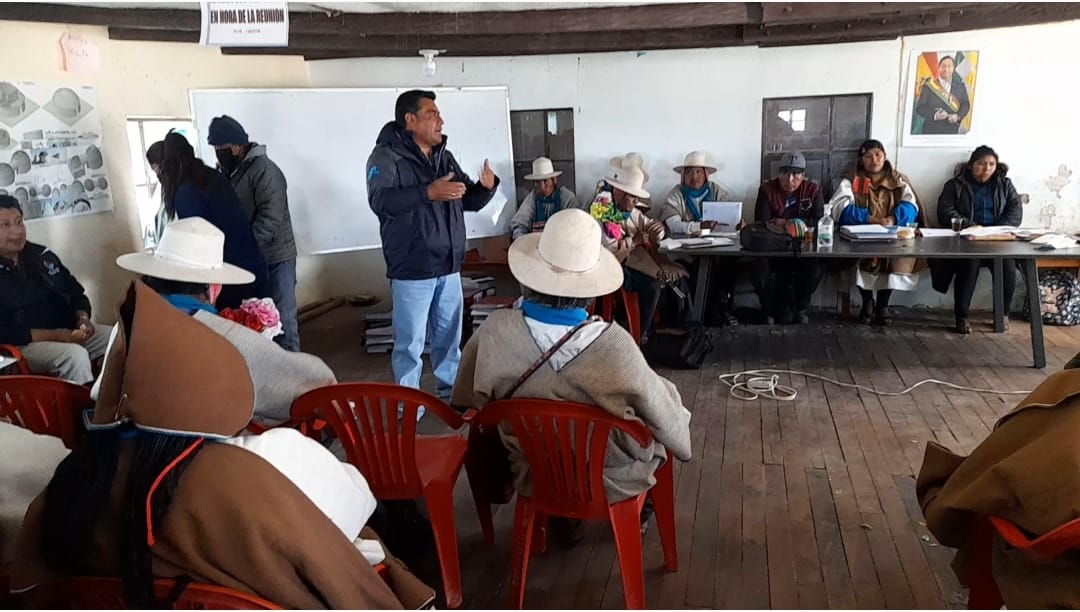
[(245, 24), (80, 55)]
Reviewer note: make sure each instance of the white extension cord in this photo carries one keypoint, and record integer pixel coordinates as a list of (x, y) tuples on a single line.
[(754, 384)]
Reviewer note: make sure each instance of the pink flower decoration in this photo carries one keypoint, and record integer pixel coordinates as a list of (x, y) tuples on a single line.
[(265, 312), (614, 230)]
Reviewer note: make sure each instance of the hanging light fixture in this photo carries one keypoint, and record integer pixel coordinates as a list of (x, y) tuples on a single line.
[(429, 60)]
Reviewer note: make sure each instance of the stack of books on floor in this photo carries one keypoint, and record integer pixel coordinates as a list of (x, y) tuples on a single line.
[(477, 291), (473, 288), (379, 333), (484, 306)]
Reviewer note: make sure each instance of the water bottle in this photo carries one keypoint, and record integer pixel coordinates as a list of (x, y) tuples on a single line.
[(825, 229)]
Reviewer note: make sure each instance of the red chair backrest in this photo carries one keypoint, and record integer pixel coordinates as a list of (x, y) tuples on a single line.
[(45, 405), (564, 444), (1048, 546), (94, 593), (365, 417), (20, 362)]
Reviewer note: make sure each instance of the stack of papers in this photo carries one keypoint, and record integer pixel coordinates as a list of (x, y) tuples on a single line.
[(868, 232), (726, 214), (1054, 241), (986, 232), (936, 232), (670, 244)]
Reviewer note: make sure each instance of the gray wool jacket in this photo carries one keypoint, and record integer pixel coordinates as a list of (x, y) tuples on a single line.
[(261, 187)]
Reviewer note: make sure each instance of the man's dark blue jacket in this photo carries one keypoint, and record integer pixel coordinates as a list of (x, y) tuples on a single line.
[(421, 239)]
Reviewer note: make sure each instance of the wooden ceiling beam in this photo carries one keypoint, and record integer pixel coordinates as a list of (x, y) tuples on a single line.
[(490, 45), (600, 21), (987, 15), (784, 13)]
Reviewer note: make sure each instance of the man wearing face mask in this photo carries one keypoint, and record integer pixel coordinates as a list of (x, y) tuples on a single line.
[(261, 187)]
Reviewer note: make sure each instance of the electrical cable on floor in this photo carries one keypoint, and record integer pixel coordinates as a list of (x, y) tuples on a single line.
[(754, 384)]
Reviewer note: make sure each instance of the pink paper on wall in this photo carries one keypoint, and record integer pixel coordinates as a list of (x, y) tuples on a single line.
[(79, 54)]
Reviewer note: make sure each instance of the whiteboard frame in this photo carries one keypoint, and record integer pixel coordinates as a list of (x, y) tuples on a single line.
[(257, 90)]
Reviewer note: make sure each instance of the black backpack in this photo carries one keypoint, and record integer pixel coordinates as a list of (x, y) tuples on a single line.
[(682, 348), (774, 235)]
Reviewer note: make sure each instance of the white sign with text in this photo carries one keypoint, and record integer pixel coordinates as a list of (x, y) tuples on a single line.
[(245, 24)]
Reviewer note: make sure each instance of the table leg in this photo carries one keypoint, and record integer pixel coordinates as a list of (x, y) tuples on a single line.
[(1038, 349), (1000, 306), (701, 291)]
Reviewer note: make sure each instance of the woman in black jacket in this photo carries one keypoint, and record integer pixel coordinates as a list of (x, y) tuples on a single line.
[(980, 194)]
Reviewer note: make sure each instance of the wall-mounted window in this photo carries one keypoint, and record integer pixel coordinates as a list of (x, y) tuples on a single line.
[(827, 130), (143, 132)]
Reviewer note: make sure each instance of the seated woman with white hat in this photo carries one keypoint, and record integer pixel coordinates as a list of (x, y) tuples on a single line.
[(636, 240), (162, 486), (562, 270), (546, 199), (682, 213), (187, 270)]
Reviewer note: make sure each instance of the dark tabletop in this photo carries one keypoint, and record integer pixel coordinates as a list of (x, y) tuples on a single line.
[(944, 247)]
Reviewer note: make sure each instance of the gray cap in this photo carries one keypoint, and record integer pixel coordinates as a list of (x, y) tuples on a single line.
[(793, 160)]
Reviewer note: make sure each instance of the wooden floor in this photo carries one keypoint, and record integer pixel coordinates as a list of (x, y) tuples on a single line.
[(804, 504)]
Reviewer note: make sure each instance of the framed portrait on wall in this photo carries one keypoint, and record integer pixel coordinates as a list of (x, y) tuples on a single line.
[(939, 109)]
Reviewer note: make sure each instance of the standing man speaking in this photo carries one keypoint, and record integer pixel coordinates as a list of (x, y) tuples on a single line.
[(419, 192)]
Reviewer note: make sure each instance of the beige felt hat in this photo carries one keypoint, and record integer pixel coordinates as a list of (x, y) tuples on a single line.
[(567, 259), (630, 159), (630, 179), (190, 251), (542, 168), (697, 159)]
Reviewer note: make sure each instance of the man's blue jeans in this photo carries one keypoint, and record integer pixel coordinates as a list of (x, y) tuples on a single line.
[(282, 282), (421, 306)]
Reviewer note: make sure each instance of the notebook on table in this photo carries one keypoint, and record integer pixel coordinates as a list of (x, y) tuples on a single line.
[(869, 233)]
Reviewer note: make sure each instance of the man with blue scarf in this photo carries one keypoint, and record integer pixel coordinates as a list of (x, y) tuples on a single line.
[(546, 199), (551, 349), (682, 211)]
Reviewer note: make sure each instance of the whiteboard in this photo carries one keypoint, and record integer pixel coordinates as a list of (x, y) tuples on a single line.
[(321, 139)]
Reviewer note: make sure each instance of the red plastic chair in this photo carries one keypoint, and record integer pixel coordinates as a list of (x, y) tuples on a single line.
[(564, 444), (94, 593), (396, 462), (45, 405), (984, 593), (20, 361), (633, 310)]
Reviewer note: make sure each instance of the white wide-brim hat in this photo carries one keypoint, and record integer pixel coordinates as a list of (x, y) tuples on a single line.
[(567, 259), (630, 179), (542, 168), (190, 251), (697, 159)]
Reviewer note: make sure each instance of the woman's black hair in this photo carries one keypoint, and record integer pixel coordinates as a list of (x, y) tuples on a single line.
[(155, 155), (164, 286), (554, 301), (866, 147), (80, 492), (8, 202), (178, 166), (985, 151)]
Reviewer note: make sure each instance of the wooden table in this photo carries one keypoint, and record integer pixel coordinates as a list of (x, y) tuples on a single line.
[(943, 247)]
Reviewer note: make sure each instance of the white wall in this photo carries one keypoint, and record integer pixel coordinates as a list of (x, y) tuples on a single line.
[(665, 103), (136, 78), (622, 102)]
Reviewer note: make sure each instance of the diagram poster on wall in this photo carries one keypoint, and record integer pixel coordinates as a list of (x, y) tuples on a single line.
[(50, 150)]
